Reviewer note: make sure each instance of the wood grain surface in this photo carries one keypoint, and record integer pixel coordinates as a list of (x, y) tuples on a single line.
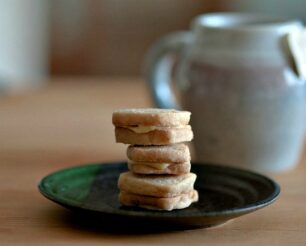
[(69, 123)]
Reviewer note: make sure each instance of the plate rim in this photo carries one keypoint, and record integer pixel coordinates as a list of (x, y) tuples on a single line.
[(152, 214)]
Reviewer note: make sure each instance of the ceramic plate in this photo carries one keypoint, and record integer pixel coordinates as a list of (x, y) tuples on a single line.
[(225, 193)]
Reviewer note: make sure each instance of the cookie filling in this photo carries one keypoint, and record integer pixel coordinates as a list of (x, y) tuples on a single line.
[(158, 166), (146, 129)]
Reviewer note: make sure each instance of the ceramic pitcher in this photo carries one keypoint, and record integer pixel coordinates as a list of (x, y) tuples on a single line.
[(238, 76)]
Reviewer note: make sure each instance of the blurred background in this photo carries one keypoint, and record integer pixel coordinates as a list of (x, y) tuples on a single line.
[(41, 38)]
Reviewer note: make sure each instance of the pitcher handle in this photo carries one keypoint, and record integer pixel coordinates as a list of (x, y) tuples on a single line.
[(159, 64)]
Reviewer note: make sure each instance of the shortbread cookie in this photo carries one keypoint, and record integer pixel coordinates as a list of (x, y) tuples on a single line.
[(150, 117), (156, 185), (176, 153), (155, 203), (154, 136), (159, 168)]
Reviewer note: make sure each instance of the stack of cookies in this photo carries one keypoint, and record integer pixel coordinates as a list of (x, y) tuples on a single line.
[(158, 160)]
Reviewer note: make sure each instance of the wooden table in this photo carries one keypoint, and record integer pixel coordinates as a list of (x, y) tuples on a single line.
[(69, 123)]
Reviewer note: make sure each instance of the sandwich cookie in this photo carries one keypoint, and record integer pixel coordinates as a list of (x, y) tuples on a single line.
[(155, 203), (175, 153), (152, 126), (159, 168), (168, 159), (156, 185)]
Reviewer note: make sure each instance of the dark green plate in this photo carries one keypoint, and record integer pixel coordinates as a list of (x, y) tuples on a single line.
[(225, 193)]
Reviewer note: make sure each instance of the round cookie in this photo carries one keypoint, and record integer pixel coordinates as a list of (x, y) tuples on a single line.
[(156, 185), (176, 153), (151, 168), (158, 136), (150, 117), (156, 203)]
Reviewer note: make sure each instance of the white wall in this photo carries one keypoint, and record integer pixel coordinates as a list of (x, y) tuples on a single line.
[(23, 43)]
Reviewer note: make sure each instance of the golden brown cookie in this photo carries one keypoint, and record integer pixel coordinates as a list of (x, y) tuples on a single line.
[(151, 168), (150, 117), (155, 203), (156, 185), (175, 153), (154, 136)]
